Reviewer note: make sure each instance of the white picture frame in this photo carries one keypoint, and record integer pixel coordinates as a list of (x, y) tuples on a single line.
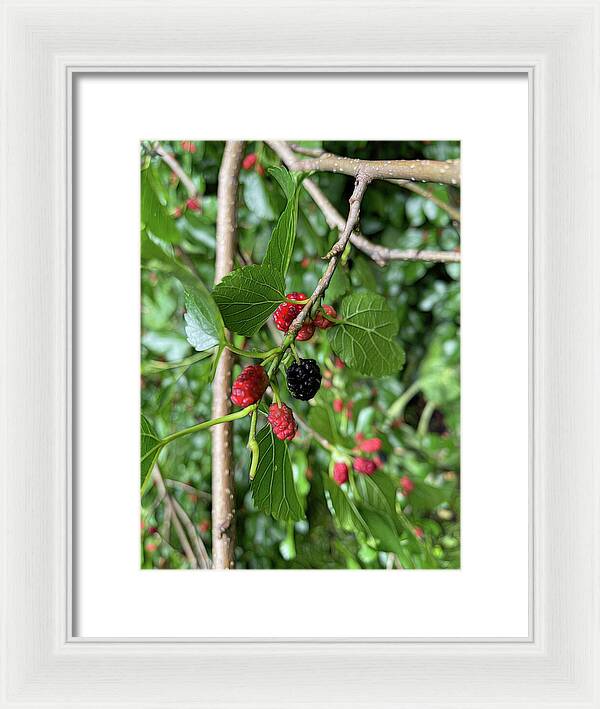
[(46, 44)]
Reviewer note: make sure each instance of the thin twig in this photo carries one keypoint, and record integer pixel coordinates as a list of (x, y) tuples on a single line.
[(158, 481), (167, 158), (453, 213), (188, 488), (380, 254), (201, 554), (335, 253), (323, 442)]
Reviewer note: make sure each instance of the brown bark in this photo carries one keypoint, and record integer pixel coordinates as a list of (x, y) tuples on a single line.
[(414, 170), (223, 491)]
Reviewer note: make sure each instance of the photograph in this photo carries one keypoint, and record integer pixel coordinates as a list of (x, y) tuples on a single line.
[(300, 354)]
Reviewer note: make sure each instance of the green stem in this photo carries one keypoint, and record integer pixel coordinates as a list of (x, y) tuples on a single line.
[(397, 408), (253, 446), (255, 354), (423, 426), (208, 424), (159, 366), (275, 390)]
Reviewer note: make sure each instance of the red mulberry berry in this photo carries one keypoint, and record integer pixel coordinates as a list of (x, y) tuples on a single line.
[(177, 212), (338, 406), (306, 331), (364, 466), (407, 485), (340, 473), (188, 146), (321, 321), (250, 385), (249, 161), (286, 312), (193, 203), (282, 422), (419, 534), (370, 445)]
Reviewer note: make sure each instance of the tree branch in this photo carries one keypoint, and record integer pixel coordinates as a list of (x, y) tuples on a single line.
[(447, 172), (380, 254), (222, 469), (167, 158)]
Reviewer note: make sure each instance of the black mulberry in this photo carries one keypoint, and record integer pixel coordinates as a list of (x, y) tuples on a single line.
[(303, 379)]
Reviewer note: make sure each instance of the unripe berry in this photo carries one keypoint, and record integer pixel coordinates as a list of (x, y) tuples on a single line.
[(321, 321), (204, 526), (177, 212), (419, 534), (282, 422), (188, 146), (340, 473), (249, 386), (193, 203), (286, 312), (339, 363), (407, 485), (306, 331), (370, 445), (151, 546), (249, 161), (364, 466), (260, 169)]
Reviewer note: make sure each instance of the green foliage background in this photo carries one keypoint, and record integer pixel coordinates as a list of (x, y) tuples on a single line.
[(415, 411)]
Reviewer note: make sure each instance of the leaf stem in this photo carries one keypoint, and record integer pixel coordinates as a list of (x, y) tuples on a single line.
[(423, 426), (254, 354), (159, 366), (397, 408), (253, 445), (208, 424)]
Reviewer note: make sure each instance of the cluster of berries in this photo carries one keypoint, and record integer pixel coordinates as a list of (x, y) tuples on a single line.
[(303, 380), (188, 146), (193, 204), (286, 313), (251, 161)]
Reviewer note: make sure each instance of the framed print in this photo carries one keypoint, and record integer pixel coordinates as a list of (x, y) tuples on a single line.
[(348, 285)]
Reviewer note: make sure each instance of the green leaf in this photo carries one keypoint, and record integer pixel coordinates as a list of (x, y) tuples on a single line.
[(380, 492), (365, 337), (204, 328), (150, 448), (273, 489), (155, 217), (346, 513), (248, 296), (285, 180), (280, 248), (256, 196), (384, 532)]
